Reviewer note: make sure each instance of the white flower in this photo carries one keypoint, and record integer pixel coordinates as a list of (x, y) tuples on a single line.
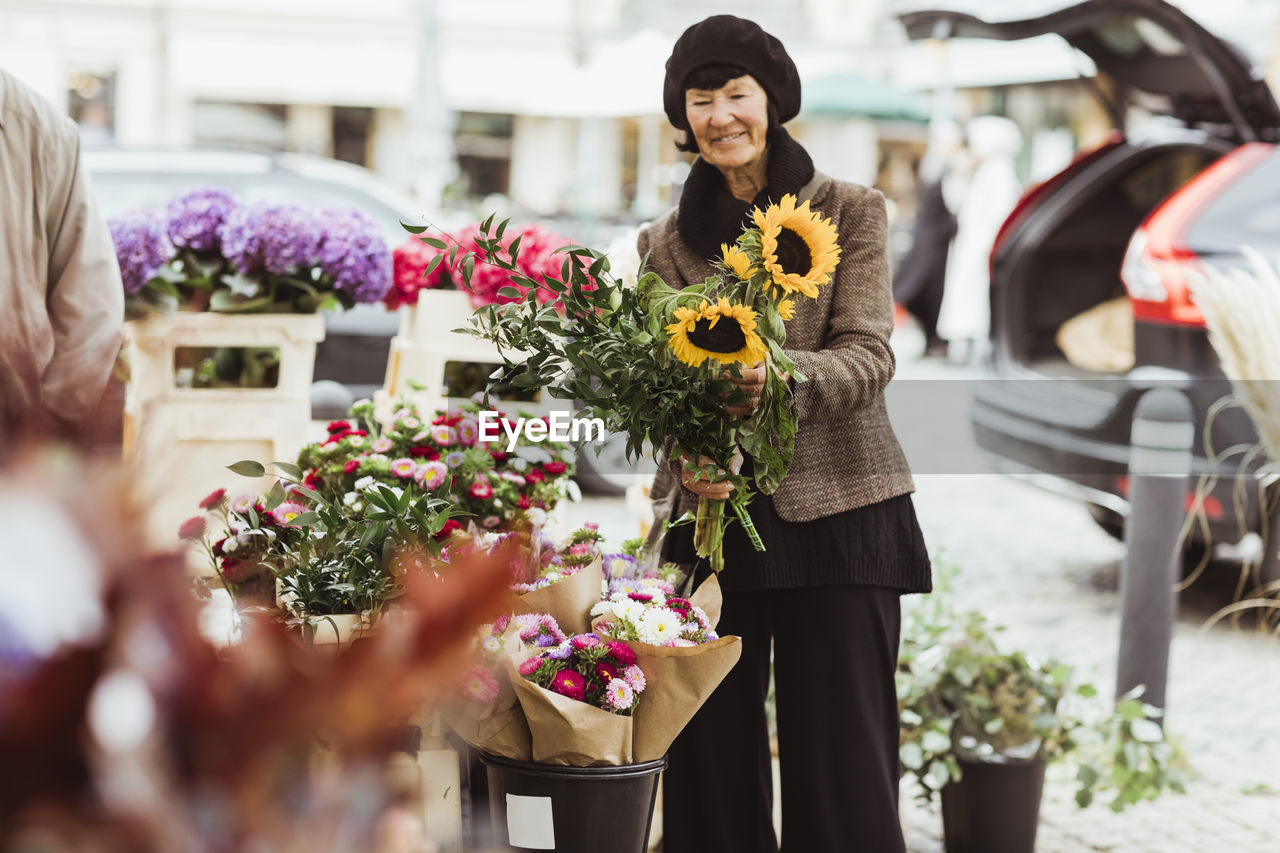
[(628, 610), (376, 457), (601, 608), (243, 538), (365, 483), (701, 616), (410, 423), (572, 490), (350, 498), (658, 626), (230, 545), (518, 464), (492, 645), (537, 516), (552, 577), (355, 440), (497, 503)]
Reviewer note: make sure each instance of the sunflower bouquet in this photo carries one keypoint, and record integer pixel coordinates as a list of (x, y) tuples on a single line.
[(655, 363), (737, 319)]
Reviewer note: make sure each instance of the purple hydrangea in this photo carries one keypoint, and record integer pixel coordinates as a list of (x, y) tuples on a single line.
[(280, 238), (355, 255), (196, 218), (141, 247)]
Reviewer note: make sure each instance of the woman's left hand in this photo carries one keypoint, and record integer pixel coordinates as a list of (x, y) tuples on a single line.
[(751, 383)]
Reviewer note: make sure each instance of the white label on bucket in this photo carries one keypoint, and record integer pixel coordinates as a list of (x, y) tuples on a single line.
[(529, 822)]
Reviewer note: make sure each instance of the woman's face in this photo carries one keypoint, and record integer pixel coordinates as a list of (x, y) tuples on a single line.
[(730, 124)]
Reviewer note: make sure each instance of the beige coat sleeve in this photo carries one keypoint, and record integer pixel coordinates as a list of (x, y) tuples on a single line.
[(85, 299), (855, 362)]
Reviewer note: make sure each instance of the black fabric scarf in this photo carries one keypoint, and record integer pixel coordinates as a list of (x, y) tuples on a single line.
[(710, 215)]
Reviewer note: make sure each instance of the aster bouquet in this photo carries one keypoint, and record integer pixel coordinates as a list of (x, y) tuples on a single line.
[(440, 455), (654, 362), (578, 699), (328, 556), (562, 579), (255, 536), (653, 615), (624, 571)]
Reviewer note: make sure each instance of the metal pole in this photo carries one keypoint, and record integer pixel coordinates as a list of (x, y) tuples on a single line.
[(1159, 477)]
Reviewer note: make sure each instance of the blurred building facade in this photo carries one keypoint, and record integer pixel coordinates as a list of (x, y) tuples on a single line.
[(556, 104)]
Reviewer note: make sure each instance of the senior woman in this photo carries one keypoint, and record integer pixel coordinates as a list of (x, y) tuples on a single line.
[(841, 532)]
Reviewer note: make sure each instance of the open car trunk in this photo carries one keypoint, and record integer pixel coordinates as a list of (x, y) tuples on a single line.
[(1064, 256)]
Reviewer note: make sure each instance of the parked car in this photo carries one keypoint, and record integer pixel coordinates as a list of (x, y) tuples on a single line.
[(1134, 217), (351, 361)]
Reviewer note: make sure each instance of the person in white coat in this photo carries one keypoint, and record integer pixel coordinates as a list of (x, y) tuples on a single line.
[(990, 196)]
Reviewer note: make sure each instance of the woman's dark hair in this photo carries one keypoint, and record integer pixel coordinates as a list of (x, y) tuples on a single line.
[(712, 77)]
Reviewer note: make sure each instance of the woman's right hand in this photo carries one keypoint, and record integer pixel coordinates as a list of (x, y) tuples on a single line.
[(716, 490)]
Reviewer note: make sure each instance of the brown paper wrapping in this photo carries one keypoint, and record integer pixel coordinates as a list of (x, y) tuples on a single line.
[(677, 682), (568, 732), (709, 597), (505, 733), (568, 601)]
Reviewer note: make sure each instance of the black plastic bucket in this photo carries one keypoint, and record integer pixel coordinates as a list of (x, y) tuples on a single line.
[(537, 807), (994, 808)]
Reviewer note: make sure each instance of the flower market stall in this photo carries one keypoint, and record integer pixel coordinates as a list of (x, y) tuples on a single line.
[(224, 299)]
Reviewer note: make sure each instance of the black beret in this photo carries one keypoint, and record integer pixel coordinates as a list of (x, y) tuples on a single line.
[(729, 40)]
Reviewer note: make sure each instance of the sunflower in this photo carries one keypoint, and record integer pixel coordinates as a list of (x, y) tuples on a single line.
[(721, 331), (799, 246), (738, 261), (787, 309)]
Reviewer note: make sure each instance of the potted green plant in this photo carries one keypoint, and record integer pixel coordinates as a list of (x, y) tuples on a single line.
[(980, 724)]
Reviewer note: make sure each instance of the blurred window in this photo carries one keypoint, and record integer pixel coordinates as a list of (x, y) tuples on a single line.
[(483, 142)]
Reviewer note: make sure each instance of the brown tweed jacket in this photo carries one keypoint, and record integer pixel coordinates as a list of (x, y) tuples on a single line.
[(846, 453)]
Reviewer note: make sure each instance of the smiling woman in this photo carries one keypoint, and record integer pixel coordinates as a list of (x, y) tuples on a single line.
[(840, 533)]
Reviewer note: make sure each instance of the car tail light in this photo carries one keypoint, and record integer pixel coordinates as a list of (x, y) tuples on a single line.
[(1158, 263), (1035, 194)]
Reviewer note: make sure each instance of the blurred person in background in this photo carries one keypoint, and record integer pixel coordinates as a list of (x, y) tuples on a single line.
[(822, 604), (990, 195), (60, 287), (920, 280)]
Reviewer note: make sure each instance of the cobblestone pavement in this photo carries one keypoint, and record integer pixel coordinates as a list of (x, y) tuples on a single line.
[(1038, 564)]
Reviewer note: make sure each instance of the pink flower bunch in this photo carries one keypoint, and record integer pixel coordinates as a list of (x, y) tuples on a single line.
[(539, 629), (588, 669)]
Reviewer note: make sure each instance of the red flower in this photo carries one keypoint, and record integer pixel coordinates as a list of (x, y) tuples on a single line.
[(350, 466), (621, 652), (312, 479), (235, 571), (524, 502), (191, 529), (571, 684), (606, 673), (424, 451), (446, 531), (535, 476), (338, 426), (643, 597), (217, 546), (555, 469), (678, 604), (213, 499), (498, 456), (481, 489)]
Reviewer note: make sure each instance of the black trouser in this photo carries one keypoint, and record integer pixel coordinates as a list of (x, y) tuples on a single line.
[(835, 651)]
